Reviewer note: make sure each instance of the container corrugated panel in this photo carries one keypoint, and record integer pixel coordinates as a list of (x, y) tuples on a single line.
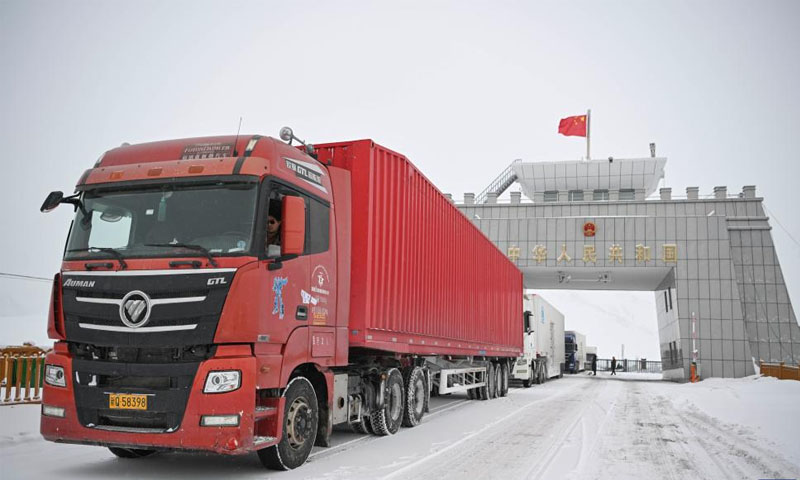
[(424, 279)]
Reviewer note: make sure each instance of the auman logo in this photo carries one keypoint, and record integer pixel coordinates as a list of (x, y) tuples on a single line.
[(78, 283)]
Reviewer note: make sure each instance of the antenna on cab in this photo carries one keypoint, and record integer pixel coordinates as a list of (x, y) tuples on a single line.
[(235, 154)]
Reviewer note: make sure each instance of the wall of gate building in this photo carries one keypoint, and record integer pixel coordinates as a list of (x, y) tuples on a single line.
[(709, 259)]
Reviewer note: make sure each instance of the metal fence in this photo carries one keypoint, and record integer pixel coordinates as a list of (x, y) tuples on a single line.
[(627, 365), (21, 375)]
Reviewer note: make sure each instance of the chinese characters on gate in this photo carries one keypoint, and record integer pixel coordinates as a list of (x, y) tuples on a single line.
[(641, 253)]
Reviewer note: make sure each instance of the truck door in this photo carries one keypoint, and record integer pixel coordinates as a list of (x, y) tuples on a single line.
[(302, 291)]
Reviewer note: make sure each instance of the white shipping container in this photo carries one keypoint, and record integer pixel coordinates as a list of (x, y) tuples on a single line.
[(548, 332)]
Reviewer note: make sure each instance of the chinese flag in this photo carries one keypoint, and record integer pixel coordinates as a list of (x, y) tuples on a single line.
[(573, 126)]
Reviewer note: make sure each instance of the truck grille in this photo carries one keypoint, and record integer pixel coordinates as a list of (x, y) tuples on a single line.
[(164, 375)]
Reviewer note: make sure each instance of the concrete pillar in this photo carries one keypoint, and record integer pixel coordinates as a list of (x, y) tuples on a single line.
[(516, 197), (538, 197), (666, 193), (469, 199), (491, 198), (449, 196), (692, 192), (721, 192), (749, 191), (563, 196), (588, 195), (638, 194), (613, 195)]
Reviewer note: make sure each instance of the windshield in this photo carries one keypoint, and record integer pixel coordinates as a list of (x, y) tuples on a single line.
[(163, 221)]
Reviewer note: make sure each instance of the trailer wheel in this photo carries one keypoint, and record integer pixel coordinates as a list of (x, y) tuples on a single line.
[(416, 398), (487, 391), (471, 393), (362, 427), (300, 419), (498, 380), (504, 377), (131, 452), (387, 420)]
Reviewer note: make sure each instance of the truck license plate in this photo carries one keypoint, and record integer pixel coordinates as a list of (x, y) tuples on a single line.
[(127, 401)]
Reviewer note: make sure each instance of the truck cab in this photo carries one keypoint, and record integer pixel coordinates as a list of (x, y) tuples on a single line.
[(177, 316)]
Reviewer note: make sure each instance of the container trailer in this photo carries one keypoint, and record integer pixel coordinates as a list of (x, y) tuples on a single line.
[(575, 351), (241, 294), (543, 344)]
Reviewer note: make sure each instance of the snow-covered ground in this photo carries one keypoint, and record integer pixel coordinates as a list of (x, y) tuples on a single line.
[(630, 426)]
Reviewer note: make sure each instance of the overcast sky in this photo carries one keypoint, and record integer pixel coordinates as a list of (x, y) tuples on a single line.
[(462, 88)]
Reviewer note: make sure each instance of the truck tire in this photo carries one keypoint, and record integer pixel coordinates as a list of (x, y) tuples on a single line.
[(504, 376), (416, 397), (131, 452), (387, 420), (471, 394), (362, 427), (300, 418), (487, 391), (498, 380), (529, 381)]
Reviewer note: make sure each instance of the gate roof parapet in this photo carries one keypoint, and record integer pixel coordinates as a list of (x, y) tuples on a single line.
[(612, 174)]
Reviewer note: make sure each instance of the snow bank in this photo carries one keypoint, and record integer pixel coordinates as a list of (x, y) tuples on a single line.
[(765, 405)]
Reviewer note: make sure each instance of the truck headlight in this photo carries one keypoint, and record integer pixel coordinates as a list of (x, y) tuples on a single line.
[(54, 375), (223, 381)]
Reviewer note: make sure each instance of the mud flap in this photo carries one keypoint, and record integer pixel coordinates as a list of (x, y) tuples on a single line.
[(324, 429)]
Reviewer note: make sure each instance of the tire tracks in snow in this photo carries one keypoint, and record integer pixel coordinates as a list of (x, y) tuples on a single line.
[(742, 456), (342, 447), (500, 449)]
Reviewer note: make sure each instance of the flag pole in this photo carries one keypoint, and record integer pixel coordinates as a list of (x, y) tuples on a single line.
[(588, 132)]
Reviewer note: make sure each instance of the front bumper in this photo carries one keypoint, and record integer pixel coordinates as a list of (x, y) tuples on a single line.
[(190, 435)]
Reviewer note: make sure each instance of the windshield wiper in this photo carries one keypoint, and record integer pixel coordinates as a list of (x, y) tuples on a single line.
[(199, 248), (113, 251)]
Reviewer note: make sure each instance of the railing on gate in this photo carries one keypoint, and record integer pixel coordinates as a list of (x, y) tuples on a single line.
[(780, 370), (627, 365), (21, 375)]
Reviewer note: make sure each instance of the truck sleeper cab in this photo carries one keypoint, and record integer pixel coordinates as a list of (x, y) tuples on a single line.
[(181, 323)]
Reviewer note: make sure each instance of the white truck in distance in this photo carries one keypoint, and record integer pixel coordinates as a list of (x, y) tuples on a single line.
[(591, 353), (543, 346)]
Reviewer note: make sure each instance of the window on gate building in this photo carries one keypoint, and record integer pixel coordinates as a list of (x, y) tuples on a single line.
[(551, 196), (600, 195), (626, 194), (576, 195)]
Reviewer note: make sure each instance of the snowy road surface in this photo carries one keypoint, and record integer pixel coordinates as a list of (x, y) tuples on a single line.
[(577, 427)]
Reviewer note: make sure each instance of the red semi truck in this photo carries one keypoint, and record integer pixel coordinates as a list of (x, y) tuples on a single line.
[(240, 294)]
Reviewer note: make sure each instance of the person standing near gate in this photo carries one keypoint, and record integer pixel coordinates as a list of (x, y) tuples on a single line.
[(594, 365), (613, 365)]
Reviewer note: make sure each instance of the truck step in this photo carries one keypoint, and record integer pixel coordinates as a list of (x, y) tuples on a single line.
[(264, 412), (258, 441)]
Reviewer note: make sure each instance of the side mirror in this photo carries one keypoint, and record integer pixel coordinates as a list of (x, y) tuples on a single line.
[(293, 227), (52, 201)]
